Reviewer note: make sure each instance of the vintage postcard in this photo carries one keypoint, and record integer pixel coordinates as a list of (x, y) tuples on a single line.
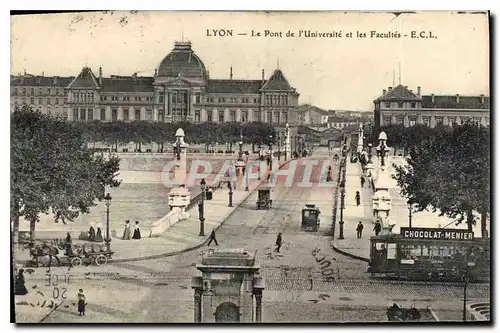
[(250, 167)]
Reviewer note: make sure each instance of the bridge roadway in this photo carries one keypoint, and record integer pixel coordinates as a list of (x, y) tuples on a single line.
[(159, 290)]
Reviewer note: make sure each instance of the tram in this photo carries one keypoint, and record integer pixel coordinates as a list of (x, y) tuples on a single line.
[(430, 254)]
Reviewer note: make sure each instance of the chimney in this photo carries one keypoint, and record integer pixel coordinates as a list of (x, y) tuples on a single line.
[(432, 98), (55, 80), (156, 72), (231, 72), (25, 71), (263, 75), (390, 88), (406, 87), (419, 90), (482, 98), (384, 92), (458, 98), (100, 76), (43, 74)]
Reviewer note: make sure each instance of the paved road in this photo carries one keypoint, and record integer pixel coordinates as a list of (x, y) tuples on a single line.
[(159, 290)]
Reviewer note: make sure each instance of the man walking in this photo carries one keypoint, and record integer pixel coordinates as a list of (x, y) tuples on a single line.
[(359, 230), (358, 198), (279, 241), (212, 238), (377, 228), (362, 181)]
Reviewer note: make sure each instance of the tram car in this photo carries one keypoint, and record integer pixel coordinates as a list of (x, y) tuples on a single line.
[(430, 254), (264, 198), (310, 218)]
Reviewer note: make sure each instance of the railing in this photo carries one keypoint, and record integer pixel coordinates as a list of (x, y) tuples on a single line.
[(197, 198)]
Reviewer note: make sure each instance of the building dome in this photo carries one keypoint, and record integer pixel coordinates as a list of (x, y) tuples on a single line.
[(182, 61)]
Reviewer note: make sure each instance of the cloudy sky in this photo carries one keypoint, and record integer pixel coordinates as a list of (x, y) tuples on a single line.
[(332, 73)]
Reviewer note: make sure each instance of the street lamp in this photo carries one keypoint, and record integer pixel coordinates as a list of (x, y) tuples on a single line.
[(230, 193), (409, 213), (465, 280), (370, 152), (107, 201), (279, 146), (246, 176), (270, 152), (341, 223), (201, 207)]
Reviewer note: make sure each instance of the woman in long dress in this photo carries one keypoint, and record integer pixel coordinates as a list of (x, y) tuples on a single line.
[(81, 303), (20, 287), (137, 231), (126, 232)]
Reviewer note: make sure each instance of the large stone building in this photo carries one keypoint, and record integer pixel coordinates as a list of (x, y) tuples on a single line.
[(180, 90), (399, 105)]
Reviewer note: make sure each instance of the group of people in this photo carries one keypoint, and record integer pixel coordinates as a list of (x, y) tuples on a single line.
[(127, 235), (95, 234)]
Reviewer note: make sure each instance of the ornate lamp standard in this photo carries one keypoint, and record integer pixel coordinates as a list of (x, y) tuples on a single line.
[(230, 193), (270, 152), (409, 213), (279, 146), (341, 223), (465, 280), (201, 207), (107, 201)]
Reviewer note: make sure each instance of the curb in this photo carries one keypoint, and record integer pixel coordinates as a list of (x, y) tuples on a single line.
[(433, 314), (347, 254)]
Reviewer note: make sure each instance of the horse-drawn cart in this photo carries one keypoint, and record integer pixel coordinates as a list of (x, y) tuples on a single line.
[(73, 255)]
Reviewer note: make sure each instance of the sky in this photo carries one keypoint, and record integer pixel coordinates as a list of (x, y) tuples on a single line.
[(343, 73)]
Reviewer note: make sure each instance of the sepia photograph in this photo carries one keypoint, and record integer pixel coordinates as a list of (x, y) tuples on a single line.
[(250, 167)]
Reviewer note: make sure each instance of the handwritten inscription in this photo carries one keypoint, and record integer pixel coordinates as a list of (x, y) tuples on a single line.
[(325, 265), (335, 34)]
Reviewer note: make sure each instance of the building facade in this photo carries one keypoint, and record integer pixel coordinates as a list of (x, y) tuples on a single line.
[(180, 90), (402, 106)]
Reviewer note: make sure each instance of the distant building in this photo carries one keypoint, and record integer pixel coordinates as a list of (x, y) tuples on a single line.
[(180, 90), (399, 105), (312, 115), (47, 94)]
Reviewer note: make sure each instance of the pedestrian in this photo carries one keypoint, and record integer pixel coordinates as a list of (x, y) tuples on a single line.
[(279, 241), (20, 287), (358, 198), (362, 181), (359, 229), (68, 245), (91, 233), (212, 238), (81, 303), (126, 231), (137, 231), (377, 228), (98, 235)]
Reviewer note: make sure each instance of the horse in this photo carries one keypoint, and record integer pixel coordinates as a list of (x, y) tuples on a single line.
[(45, 254)]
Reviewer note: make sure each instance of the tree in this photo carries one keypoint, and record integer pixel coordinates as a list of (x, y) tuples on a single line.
[(52, 170), (450, 172)]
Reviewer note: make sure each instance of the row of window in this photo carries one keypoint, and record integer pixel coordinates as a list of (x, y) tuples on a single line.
[(38, 91), (407, 251), (127, 98), (412, 120), (41, 100), (413, 105), (276, 100), (232, 100), (88, 114)]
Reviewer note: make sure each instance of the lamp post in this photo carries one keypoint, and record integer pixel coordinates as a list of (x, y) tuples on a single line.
[(369, 151), (279, 147), (246, 176), (270, 152), (107, 240), (230, 193), (465, 280), (409, 213), (201, 207), (341, 223)]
